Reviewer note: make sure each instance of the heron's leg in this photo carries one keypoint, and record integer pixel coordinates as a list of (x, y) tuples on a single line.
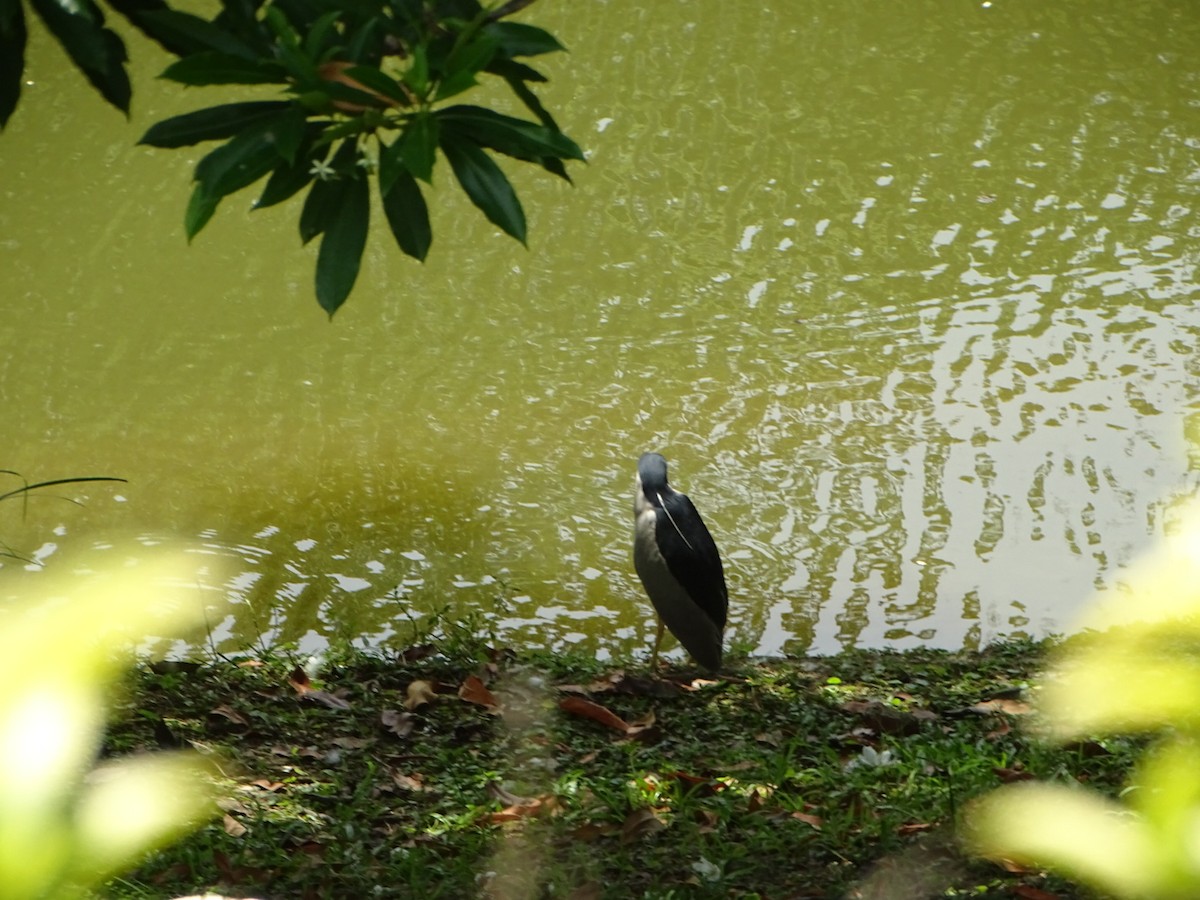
[(657, 642)]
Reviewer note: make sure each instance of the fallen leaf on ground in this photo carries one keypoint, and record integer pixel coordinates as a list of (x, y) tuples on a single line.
[(398, 723), (808, 819), (418, 694), (353, 743), (230, 714), (577, 706), (233, 827), (474, 691), (639, 823), (266, 784), (408, 782), (914, 828)]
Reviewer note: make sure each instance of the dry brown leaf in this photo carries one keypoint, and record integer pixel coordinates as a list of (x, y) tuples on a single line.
[(640, 823), (474, 691), (914, 828), (577, 706), (353, 743), (408, 782), (808, 819), (1009, 776), (1002, 706), (233, 827), (398, 723), (266, 785), (228, 712), (418, 694)]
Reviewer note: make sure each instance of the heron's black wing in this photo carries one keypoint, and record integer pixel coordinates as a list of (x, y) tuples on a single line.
[(691, 555)]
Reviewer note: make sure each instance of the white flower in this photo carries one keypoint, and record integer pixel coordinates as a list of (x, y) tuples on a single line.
[(322, 170), (871, 757)]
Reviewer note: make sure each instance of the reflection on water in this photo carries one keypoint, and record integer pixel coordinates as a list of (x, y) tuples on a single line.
[(907, 295)]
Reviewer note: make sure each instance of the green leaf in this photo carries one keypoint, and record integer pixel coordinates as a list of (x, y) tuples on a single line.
[(472, 54), (529, 98), (321, 204), (200, 209), (509, 135), (12, 56), (519, 39), (213, 67), (240, 162), (455, 84), (342, 246), (414, 150), (286, 181), (210, 124), (185, 29), (417, 74), (408, 216), (99, 53), (137, 11), (507, 68), (318, 38), (485, 184)]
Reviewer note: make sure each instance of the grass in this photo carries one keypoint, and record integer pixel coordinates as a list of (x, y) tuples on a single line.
[(835, 777)]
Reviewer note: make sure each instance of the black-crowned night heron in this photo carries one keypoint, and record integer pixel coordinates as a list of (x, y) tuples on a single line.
[(679, 565)]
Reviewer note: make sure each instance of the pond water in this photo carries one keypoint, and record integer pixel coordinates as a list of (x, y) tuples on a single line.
[(905, 292)]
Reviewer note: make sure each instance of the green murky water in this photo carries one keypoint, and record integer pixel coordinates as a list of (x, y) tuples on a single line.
[(906, 292)]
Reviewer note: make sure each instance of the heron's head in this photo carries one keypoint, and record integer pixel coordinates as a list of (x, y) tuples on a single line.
[(652, 474)]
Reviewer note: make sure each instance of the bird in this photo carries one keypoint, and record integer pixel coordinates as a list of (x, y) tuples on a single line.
[(679, 565)]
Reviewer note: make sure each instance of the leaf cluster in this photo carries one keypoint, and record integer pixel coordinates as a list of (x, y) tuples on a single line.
[(365, 91)]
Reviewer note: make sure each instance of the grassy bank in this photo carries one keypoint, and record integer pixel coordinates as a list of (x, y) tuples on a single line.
[(461, 772)]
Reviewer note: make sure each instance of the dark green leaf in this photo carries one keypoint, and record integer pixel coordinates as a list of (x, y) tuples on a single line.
[(286, 181), (511, 136), (212, 67), (529, 98), (415, 151), (518, 39), (238, 163), (136, 12), (472, 55), (79, 27), (508, 68), (485, 184), (321, 204), (200, 209), (366, 43), (455, 84), (210, 124), (342, 245), (417, 74), (319, 207), (408, 216), (184, 29), (322, 34), (12, 56)]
